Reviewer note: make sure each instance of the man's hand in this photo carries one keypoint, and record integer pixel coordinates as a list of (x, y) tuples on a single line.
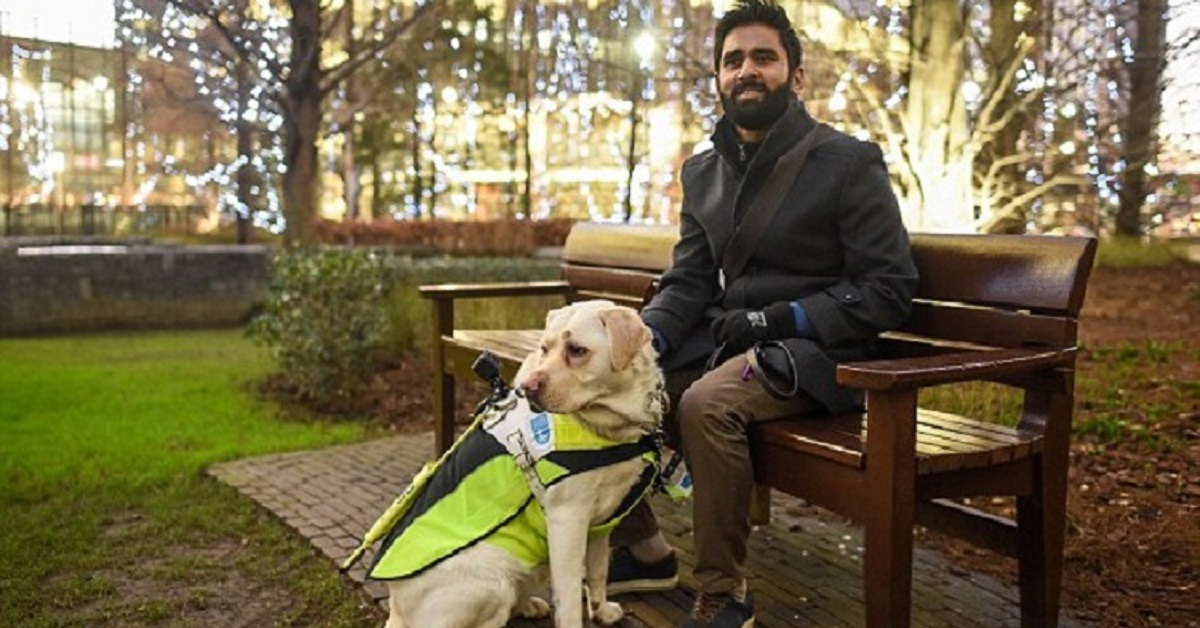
[(738, 330)]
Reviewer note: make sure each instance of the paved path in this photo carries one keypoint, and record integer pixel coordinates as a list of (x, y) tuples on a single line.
[(807, 569)]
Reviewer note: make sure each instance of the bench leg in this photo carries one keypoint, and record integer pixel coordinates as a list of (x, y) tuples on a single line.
[(890, 486), (1041, 525), (443, 382), (760, 505)]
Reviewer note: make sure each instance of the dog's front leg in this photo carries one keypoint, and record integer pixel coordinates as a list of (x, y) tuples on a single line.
[(604, 612), (567, 527)]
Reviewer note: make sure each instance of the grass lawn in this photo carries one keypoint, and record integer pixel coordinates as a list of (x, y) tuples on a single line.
[(104, 508)]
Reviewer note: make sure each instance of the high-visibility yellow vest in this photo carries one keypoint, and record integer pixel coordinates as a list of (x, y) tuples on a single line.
[(481, 493)]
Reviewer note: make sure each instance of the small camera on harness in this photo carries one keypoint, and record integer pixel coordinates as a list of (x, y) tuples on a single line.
[(487, 367)]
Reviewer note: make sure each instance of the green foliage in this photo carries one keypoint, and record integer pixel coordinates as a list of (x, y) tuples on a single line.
[(981, 400), (325, 317), (332, 312), (1123, 252), (1130, 389), (410, 316)]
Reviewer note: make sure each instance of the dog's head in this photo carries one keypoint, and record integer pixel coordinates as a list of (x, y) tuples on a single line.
[(595, 355)]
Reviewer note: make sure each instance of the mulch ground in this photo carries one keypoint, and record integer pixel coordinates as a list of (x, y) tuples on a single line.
[(1133, 546)]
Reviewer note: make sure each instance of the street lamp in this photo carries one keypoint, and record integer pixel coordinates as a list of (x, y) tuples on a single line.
[(643, 47)]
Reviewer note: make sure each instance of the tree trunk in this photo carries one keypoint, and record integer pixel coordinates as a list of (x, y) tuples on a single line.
[(245, 155), (350, 169), (528, 77), (935, 121), (301, 179), (1145, 109), (376, 151)]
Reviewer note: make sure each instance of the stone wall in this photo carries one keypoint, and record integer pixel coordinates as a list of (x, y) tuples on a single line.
[(59, 287)]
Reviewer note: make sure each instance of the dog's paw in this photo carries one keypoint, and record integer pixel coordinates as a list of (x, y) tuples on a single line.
[(533, 608), (608, 613)]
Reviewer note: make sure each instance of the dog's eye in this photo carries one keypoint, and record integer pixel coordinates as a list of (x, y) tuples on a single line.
[(576, 351), (545, 349)]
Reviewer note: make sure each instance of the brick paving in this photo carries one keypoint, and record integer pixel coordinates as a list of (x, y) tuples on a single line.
[(806, 569)]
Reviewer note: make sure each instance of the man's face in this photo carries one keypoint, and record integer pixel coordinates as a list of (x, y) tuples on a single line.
[(753, 80)]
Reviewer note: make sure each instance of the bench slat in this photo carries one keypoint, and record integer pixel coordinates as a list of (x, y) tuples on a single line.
[(509, 345), (989, 326), (619, 281), (645, 247), (945, 441)]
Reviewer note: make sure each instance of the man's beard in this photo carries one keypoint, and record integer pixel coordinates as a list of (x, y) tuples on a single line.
[(757, 115)]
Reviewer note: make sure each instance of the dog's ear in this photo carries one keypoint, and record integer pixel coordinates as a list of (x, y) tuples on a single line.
[(626, 335)]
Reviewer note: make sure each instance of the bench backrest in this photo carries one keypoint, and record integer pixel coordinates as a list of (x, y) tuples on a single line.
[(616, 262), (975, 290), (1000, 290)]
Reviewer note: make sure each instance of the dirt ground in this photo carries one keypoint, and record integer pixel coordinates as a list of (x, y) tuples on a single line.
[(1133, 546)]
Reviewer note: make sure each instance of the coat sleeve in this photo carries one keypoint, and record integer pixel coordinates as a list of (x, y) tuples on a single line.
[(879, 277), (690, 285)]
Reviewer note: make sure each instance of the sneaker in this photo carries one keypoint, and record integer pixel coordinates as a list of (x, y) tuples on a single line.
[(627, 574), (720, 610)]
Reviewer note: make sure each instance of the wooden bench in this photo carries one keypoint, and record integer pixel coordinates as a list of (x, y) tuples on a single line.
[(988, 308)]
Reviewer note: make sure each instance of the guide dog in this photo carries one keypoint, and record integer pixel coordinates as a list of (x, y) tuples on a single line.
[(594, 363)]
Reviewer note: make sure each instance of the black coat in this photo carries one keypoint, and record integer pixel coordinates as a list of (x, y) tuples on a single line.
[(836, 244)]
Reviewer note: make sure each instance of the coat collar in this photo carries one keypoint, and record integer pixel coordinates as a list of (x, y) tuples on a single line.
[(794, 124)]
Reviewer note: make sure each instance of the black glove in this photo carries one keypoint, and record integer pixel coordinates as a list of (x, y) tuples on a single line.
[(737, 330)]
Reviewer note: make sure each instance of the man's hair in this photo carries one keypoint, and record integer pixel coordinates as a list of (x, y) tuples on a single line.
[(767, 13)]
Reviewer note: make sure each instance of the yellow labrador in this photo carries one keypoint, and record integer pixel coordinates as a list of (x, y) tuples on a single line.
[(595, 363)]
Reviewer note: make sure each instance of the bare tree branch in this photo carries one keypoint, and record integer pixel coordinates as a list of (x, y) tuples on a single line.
[(987, 124), (233, 35), (1015, 205), (334, 76)]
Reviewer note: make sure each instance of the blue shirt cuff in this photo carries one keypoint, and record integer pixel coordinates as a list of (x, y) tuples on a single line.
[(804, 327), (659, 342)]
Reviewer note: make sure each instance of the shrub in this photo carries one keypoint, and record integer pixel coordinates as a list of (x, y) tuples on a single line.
[(324, 317), (333, 312)]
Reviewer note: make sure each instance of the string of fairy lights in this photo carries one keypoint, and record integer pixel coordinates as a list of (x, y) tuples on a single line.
[(28, 131), (175, 37)]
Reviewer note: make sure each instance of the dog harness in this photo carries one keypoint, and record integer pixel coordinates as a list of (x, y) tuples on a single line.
[(488, 488)]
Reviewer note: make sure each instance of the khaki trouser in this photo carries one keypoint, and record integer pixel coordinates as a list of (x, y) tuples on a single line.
[(711, 418)]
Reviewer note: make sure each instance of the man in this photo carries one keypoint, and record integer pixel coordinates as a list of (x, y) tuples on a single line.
[(830, 271)]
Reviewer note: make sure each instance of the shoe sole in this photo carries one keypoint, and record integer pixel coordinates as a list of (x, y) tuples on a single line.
[(644, 586)]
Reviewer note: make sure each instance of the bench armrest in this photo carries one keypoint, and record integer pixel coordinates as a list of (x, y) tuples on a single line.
[(450, 291), (949, 368)]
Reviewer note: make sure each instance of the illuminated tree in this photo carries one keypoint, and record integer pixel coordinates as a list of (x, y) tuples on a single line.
[(1007, 115), (283, 44)]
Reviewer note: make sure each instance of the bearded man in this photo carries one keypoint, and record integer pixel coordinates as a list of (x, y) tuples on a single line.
[(792, 257)]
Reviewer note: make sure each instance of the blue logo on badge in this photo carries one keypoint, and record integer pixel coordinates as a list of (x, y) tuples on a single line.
[(539, 425)]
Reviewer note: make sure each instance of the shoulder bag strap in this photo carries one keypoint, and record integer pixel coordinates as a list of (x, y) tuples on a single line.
[(768, 201)]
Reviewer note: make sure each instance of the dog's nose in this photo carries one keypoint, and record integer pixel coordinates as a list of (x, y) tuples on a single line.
[(531, 386), (531, 383)]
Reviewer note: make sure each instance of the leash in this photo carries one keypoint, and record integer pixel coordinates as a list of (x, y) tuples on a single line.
[(485, 366)]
